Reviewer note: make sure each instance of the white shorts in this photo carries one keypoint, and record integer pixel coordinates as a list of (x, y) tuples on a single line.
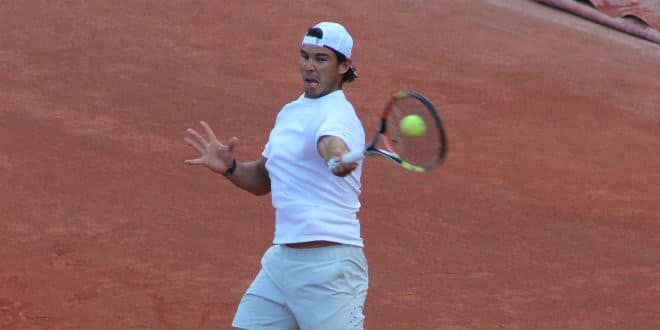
[(316, 288)]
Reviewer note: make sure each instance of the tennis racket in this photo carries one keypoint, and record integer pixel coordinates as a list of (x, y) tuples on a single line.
[(410, 134)]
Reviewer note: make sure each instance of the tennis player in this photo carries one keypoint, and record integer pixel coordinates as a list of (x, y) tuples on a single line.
[(314, 276)]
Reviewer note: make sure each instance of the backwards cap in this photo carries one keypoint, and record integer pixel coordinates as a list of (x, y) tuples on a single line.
[(335, 36)]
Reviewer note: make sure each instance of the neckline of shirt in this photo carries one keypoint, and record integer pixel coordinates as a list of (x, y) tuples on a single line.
[(338, 92)]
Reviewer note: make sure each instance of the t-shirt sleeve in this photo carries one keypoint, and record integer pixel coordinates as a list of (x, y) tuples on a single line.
[(267, 148), (266, 152), (345, 126)]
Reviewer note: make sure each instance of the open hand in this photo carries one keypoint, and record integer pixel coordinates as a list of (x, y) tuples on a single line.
[(213, 154)]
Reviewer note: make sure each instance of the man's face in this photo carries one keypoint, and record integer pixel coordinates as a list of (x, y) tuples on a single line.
[(321, 73)]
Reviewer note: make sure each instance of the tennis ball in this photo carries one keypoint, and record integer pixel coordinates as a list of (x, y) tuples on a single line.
[(412, 125)]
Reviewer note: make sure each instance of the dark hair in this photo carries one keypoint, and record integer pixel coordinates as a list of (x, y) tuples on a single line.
[(351, 74)]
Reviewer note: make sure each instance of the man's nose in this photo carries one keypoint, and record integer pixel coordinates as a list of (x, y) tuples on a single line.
[(308, 65)]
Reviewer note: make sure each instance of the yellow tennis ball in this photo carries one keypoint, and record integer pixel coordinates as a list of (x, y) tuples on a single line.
[(412, 125)]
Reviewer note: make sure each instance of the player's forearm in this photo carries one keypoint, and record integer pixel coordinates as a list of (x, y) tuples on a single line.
[(251, 176), (331, 146)]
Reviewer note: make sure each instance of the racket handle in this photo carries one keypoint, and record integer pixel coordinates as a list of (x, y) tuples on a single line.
[(352, 156), (348, 157)]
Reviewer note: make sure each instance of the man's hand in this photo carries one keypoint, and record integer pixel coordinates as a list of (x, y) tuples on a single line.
[(213, 154), (332, 147), (343, 169)]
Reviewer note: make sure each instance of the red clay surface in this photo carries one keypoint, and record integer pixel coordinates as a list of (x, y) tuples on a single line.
[(546, 215)]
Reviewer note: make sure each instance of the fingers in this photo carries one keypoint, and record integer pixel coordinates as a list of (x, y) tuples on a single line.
[(195, 145), (209, 131), (199, 138), (210, 148), (232, 143), (351, 166), (343, 169), (197, 161)]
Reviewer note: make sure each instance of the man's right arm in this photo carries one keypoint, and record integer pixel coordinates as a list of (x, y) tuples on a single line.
[(251, 176)]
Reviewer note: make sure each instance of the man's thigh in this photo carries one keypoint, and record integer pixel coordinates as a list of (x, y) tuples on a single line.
[(333, 296), (262, 307)]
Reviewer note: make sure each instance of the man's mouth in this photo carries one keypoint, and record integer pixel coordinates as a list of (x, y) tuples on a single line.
[(311, 82)]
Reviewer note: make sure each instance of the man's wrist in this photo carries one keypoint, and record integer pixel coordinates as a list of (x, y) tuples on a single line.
[(231, 169)]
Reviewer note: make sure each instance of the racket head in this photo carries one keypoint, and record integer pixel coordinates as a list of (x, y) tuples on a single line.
[(424, 149)]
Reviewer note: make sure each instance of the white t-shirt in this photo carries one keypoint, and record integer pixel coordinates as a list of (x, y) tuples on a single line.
[(310, 202)]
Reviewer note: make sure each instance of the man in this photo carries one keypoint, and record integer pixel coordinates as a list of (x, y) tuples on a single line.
[(315, 274)]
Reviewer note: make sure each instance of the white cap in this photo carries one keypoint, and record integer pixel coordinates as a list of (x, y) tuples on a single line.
[(335, 36)]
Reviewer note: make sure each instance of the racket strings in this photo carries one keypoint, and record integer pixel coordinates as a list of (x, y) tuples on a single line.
[(413, 133)]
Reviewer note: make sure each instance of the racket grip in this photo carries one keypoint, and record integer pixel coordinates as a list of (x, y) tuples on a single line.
[(352, 156), (348, 157)]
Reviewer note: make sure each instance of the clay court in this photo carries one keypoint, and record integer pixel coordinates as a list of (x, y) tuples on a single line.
[(545, 216)]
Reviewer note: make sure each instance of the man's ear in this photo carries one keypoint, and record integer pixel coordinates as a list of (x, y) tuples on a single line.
[(344, 66)]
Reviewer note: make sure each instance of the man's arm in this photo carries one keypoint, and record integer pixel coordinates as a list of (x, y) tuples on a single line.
[(250, 176), (329, 147)]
